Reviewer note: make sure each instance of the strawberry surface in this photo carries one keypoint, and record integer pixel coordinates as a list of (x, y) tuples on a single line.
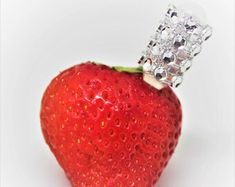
[(109, 128)]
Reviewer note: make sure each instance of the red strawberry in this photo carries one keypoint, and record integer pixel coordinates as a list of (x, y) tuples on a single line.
[(109, 128)]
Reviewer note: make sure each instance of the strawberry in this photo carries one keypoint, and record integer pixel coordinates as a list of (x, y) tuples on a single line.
[(109, 128)]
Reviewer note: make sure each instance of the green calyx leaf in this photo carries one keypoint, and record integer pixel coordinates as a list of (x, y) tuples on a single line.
[(138, 69)]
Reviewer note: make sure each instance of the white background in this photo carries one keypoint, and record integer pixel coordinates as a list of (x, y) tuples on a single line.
[(42, 37)]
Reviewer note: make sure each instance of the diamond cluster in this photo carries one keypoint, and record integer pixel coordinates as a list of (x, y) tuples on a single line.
[(178, 39)]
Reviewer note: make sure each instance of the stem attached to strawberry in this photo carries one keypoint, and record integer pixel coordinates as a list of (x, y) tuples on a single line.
[(146, 77), (138, 69)]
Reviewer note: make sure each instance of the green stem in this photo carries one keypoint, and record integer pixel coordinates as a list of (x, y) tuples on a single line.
[(138, 69)]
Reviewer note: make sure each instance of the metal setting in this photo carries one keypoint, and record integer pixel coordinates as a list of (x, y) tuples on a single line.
[(178, 39)]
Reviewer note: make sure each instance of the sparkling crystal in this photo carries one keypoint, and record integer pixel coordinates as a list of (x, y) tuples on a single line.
[(176, 81), (142, 60), (194, 38), (168, 57), (147, 65), (160, 73), (206, 33), (155, 50), (176, 42), (160, 28), (182, 53), (147, 53), (179, 41), (198, 30), (185, 65), (179, 28), (173, 69), (152, 43), (173, 18), (190, 25), (177, 62), (165, 33), (196, 49), (172, 13), (171, 9)]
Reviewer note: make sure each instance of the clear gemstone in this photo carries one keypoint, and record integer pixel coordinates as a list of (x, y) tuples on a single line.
[(176, 42), (160, 28), (198, 30), (160, 73), (178, 62), (170, 9), (173, 69), (196, 49), (155, 50), (173, 17), (147, 53), (182, 53), (185, 65), (194, 38), (179, 41), (165, 33), (206, 33), (147, 67), (190, 25), (168, 57), (176, 81), (179, 28), (172, 13), (142, 60), (152, 43)]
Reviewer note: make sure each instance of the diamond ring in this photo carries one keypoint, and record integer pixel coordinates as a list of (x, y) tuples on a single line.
[(178, 39)]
